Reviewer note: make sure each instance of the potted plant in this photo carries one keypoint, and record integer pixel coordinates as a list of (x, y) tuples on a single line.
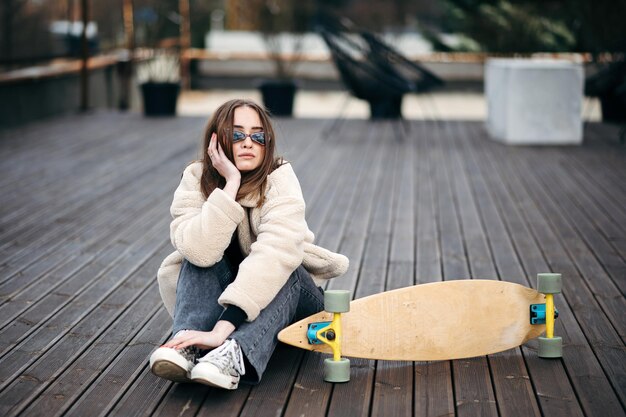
[(282, 24), (159, 78), (609, 85)]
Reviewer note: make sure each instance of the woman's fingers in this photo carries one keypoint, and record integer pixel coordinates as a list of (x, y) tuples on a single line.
[(220, 151), (180, 339), (203, 340), (212, 145)]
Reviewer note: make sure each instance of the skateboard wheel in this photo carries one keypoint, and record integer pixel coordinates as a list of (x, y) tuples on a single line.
[(337, 301), (551, 347), (336, 371), (549, 283)]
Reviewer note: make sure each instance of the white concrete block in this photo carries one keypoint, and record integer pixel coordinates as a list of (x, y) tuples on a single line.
[(533, 101)]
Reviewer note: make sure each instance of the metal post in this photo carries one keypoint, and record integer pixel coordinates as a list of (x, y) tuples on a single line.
[(185, 43), (84, 73), (125, 64)]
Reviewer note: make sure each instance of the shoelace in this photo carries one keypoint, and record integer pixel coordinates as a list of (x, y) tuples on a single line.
[(190, 353), (227, 357)]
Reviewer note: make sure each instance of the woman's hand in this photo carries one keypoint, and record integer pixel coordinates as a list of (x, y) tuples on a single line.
[(203, 340), (221, 163)]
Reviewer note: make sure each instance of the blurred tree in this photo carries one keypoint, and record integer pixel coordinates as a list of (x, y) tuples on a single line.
[(385, 15), (24, 35), (526, 26), (274, 19), (157, 21)]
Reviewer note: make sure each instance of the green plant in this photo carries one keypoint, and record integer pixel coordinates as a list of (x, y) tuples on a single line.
[(163, 67)]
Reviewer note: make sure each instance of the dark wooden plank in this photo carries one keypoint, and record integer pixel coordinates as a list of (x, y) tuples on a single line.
[(61, 223), (358, 392), (434, 395), (472, 383), (38, 168), (428, 255), (514, 393), (597, 152), (79, 183), (433, 389), (558, 398), (224, 404), (69, 385), (270, 396), (82, 310), (568, 196), (454, 261), (344, 202), (70, 289), (311, 394), (28, 287), (579, 360), (85, 226), (125, 377), (393, 383), (56, 141), (183, 400), (37, 375), (357, 228), (611, 218), (600, 326)]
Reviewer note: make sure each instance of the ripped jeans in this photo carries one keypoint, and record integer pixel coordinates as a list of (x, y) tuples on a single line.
[(197, 308)]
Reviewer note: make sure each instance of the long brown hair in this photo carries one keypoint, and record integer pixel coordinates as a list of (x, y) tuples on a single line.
[(221, 123)]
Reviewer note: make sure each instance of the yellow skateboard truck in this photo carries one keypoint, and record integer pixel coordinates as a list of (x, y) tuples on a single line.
[(336, 369)]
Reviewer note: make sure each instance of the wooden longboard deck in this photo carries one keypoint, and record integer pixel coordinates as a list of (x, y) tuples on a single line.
[(437, 321)]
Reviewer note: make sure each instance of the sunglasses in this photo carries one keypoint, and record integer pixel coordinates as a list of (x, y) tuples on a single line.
[(258, 137)]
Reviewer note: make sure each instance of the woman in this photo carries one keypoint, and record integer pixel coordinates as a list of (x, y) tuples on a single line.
[(245, 265)]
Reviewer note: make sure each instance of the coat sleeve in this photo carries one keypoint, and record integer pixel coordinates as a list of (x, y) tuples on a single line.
[(276, 253), (202, 228)]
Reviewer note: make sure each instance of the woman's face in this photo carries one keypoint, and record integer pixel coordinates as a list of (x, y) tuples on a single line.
[(247, 153)]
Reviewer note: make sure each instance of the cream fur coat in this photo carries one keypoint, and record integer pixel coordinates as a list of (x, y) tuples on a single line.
[(274, 238)]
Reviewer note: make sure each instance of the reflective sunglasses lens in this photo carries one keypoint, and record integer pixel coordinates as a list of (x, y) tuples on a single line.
[(258, 138), (238, 136)]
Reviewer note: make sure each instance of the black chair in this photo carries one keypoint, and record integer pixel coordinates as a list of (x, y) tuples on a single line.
[(373, 70), (382, 89), (385, 55)]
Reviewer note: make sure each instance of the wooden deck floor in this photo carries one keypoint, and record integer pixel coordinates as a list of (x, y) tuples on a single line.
[(84, 225)]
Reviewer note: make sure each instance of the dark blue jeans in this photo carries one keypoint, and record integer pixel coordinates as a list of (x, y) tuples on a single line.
[(196, 308)]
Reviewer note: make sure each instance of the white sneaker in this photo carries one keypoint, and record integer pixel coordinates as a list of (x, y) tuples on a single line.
[(174, 364), (221, 367)]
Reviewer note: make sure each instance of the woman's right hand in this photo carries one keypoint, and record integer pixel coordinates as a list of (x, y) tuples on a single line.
[(220, 162), (224, 167)]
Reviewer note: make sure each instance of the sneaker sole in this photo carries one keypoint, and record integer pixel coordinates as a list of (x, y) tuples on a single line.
[(169, 367), (168, 370), (217, 381)]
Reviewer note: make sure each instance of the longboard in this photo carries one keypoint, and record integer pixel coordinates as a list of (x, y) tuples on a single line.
[(436, 321)]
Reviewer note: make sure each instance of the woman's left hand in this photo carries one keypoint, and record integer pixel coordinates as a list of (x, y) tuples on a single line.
[(203, 340)]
